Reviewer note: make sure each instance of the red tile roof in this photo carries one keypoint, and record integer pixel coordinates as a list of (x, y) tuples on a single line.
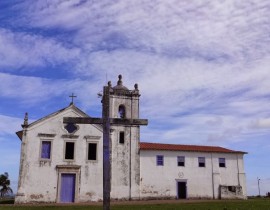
[(189, 148)]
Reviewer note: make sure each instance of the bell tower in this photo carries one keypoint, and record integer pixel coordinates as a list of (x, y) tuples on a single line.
[(125, 138)]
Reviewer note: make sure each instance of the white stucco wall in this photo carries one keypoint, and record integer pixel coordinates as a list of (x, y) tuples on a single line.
[(125, 157), (161, 181), (39, 179)]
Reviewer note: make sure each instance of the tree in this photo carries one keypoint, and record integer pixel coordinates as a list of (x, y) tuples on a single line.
[(4, 184)]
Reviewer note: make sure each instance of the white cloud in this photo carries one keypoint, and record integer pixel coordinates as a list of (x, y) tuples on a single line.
[(29, 88), (186, 94), (185, 97), (24, 50), (215, 30), (9, 125), (34, 91), (261, 123)]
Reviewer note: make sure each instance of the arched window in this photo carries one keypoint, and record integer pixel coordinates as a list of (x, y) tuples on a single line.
[(121, 111)]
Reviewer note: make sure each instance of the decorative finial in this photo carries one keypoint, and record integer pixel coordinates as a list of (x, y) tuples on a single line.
[(72, 98), (136, 86), (120, 80), (25, 119), (110, 84), (25, 122)]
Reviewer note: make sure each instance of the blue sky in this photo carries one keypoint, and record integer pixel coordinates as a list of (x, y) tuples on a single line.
[(203, 69)]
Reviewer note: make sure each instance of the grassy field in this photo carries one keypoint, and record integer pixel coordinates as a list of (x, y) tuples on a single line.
[(254, 204)]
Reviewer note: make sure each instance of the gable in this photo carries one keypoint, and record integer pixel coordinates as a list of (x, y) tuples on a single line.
[(55, 119), (64, 111)]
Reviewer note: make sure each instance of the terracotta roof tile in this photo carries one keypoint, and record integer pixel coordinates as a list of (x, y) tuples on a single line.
[(191, 148)]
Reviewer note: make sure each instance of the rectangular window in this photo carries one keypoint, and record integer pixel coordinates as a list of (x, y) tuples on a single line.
[(45, 150), (69, 152), (181, 161), (122, 137), (92, 151), (222, 162), (160, 161), (201, 161)]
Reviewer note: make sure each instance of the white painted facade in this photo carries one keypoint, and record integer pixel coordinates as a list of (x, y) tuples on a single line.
[(201, 182), (39, 179), (134, 172)]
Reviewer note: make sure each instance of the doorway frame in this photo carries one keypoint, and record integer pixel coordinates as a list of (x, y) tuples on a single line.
[(68, 169), (177, 190)]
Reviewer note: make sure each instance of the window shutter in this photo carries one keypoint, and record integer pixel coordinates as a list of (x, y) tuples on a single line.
[(46, 150)]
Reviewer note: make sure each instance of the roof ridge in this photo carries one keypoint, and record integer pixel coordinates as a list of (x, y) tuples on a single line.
[(183, 147), (182, 144)]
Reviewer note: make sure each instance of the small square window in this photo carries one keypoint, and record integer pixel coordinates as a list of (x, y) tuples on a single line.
[(201, 161), (181, 161), (122, 137), (222, 162), (45, 150), (69, 151), (160, 160), (92, 151)]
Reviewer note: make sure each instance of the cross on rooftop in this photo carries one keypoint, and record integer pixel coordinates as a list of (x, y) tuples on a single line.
[(72, 97)]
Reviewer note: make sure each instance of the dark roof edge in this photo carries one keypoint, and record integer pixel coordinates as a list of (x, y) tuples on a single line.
[(19, 134), (190, 150)]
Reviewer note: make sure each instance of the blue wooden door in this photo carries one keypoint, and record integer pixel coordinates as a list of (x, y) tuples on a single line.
[(67, 193)]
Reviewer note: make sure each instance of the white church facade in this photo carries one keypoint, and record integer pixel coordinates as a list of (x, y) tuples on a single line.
[(64, 162)]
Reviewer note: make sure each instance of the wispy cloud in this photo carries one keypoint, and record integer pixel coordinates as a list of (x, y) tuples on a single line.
[(204, 60), (9, 125), (34, 91), (173, 28), (31, 88), (20, 50)]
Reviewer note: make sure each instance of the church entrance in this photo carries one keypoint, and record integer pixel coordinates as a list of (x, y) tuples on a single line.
[(67, 192), (68, 183), (181, 189)]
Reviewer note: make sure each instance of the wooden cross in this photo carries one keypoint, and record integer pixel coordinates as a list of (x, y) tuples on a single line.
[(72, 97), (106, 121)]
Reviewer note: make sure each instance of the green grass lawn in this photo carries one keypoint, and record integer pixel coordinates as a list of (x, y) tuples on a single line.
[(254, 204)]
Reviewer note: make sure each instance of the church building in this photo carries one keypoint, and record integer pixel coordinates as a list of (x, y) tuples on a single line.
[(63, 162)]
